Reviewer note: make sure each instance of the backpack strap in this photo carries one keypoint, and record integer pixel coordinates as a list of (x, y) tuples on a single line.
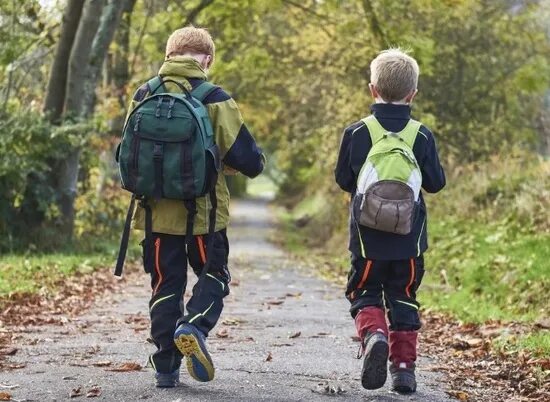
[(156, 83), (376, 130), (409, 133), (202, 91), (210, 244), (125, 237)]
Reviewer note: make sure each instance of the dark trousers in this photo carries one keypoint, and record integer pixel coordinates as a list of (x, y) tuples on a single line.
[(390, 284), (167, 264)]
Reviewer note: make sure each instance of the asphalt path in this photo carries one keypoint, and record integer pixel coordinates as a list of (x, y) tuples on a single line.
[(285, 335)]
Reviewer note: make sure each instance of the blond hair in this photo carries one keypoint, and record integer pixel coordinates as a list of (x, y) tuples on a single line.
[(394, 74), (190, 40)]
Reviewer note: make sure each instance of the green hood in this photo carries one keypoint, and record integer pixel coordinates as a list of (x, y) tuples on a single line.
[(182, 66)]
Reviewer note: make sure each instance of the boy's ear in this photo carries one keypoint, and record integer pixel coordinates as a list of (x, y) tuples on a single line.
[(411, 96), (373, 91)]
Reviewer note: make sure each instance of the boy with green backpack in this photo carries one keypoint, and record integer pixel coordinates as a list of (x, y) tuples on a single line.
[(384, 161), (181, 135)]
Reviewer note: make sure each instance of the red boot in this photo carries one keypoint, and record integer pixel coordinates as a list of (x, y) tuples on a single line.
[(402, 358), (373, 331), (370, 320)]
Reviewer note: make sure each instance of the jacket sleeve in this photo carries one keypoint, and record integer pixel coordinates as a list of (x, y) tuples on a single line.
[(343, 172), (238, 148), (433, 175)]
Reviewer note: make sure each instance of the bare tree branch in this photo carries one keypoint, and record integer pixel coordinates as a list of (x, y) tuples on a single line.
[(194, 13), (376, 27), (310, 11), (137, 48)]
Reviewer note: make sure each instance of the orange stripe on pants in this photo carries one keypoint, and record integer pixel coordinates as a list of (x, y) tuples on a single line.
[(202, 251), (411, 281), (157, 265), (365, 274)]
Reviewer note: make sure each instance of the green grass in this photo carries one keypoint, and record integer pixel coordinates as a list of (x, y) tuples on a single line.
[(32, 273), (480, 272), (538, 343)]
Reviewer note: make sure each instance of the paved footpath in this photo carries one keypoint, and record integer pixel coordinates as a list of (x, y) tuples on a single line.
[(285, 336)]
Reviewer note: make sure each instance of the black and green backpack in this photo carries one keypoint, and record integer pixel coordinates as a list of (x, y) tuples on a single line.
[(168, 150)]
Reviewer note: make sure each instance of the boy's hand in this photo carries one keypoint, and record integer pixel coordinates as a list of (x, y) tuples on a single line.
[(228, 171)]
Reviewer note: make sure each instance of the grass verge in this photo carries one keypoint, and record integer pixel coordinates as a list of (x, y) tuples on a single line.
[(31, 273)]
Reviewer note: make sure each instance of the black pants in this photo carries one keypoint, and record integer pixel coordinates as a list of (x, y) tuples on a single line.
[(390, 284), (167, 264)]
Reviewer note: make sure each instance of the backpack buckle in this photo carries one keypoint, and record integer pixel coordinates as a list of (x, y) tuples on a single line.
[(170, 106), (158, 150), (159, 104)]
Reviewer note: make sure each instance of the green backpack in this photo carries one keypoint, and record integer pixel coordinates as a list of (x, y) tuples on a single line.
[(168, 150), (388, 186)]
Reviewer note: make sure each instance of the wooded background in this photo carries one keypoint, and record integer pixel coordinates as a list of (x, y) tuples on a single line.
[(299, 70)]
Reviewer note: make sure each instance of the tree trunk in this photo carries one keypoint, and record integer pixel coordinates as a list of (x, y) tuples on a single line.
[(109, 21), (94, 36), (55, 93), (78, 62)]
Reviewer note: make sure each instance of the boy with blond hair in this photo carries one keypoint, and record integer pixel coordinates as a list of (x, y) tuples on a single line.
[(177, 333), (383, 162)]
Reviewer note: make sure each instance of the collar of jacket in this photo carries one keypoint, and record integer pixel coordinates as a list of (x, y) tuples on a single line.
[(182, 66), (391, 111)]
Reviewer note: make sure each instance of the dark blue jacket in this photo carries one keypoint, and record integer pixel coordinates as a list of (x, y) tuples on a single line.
[(355, 146)]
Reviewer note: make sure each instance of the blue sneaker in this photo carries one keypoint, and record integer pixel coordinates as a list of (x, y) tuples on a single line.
[(167, 380), (190, 342)]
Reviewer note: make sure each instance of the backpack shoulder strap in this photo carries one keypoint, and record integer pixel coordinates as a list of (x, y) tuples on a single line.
[(376, 130), (409, 133), (155, 84), (204, 89)]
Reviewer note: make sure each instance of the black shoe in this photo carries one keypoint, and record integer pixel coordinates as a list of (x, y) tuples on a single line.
[(167, 380), (375, 365), (403, 379)]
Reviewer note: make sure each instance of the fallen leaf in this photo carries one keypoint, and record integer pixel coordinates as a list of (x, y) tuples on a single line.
[(4, 396), (76, 392), (104, 363), (355, 338), (231, 322), (69, 378), (223, 333), (93, 392), (8, 351), (543, 323), (275, 302), (269, 357), (295, 335), (235, 282), (129, 366), (294, 294), (328, 389), (460, 395)]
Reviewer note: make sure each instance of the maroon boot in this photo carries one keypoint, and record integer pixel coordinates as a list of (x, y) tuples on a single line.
[(402, 360), (373, 331)]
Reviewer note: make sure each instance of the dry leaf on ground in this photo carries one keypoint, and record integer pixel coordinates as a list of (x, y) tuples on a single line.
[(295, 335), (4, 396), (93, 392), (223, 333), (8, 351), (104, 363), (129, 366), (76, 392), (269, 357)]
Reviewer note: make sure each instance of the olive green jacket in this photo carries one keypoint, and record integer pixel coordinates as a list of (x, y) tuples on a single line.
[(238, 151)]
